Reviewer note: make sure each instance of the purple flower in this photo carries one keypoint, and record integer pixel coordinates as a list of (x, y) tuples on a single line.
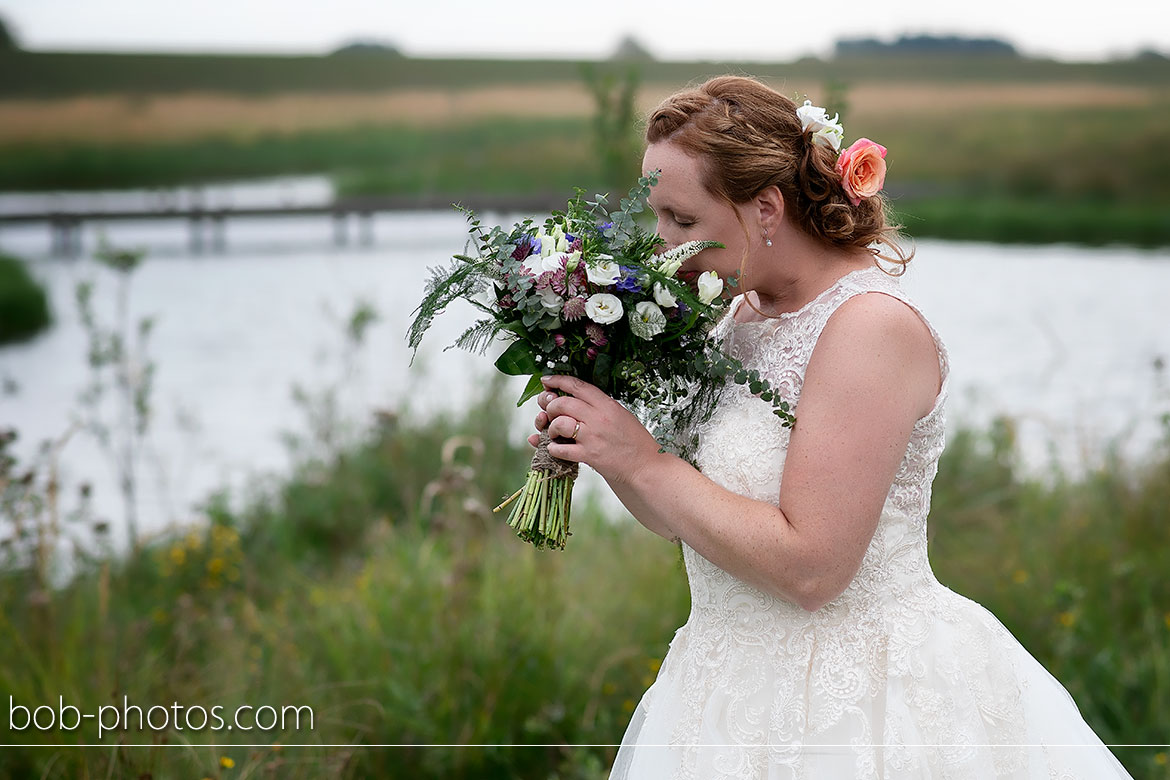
[(524, 248), (559, 339), (629, 281)]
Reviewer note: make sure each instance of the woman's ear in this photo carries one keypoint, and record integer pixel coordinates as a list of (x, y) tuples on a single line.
[(770, 203)]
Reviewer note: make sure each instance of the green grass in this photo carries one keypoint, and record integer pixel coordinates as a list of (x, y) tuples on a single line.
[(56, 74), (1019, 220), (400, 619), (24, 304), (506, 156)]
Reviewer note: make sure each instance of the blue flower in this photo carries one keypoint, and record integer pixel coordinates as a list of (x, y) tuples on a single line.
[(629, 280)]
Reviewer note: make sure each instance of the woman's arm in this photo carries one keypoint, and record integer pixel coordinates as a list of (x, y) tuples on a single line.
[(873, 373)]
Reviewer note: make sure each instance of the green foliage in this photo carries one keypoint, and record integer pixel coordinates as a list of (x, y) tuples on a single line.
[(374, 587), (120, 369), (24, 304), (58, 74), (1018, 220), (616, 143)]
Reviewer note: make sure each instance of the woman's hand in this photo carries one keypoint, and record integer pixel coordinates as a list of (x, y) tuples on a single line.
[(608, 437)]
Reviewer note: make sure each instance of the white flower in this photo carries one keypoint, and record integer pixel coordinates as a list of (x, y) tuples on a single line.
[(603, 308), (553, 243), (603, 271), (647, 320), (710, 286), (826, 131), (670, 261), (537, 264), (663, 296), (550, 300)]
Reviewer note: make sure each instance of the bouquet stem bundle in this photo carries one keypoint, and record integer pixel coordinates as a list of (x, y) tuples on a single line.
[(542, 507)]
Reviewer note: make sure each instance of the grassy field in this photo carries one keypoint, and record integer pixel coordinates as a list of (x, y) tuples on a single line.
[(374, 587), (1058, 152)]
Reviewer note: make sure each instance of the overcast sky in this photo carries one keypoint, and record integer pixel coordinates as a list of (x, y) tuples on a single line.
[(682, 29)]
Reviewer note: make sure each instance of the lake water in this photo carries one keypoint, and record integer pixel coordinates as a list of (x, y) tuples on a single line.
[(1066, 340)]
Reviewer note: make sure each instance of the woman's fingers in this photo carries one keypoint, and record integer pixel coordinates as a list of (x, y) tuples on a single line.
[(565, 427), (568, 405), (574, 387)]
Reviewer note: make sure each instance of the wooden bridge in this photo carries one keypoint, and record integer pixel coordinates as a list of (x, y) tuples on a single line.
[(206, 225)]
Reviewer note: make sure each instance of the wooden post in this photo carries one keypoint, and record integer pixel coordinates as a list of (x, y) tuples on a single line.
[(367, 226)]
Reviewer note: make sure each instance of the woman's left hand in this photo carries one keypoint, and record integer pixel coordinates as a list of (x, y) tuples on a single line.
[(609, 438)]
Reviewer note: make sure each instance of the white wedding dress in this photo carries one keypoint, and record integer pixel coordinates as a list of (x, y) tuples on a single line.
[(898, 677)]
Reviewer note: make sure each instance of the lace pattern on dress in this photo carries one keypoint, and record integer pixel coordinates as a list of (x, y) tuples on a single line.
[(786, 677)]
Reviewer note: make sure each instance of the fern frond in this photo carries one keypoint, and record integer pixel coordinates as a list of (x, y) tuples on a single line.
[(463, 280), (478, 337)]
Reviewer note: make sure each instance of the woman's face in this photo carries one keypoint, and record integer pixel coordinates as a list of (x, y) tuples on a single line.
[(687, 212)]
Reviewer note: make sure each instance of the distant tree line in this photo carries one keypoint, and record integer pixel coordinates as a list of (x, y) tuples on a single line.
[(924, 44)]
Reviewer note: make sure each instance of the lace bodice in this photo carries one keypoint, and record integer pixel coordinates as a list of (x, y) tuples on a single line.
[(743, 445), (898, 677)]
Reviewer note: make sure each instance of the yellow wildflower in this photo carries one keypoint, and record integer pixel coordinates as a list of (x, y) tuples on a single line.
[(628, 705), (178, 555), (1166, 619), (1160, 759), (1067, 619), (193, 541), (609, 689), (655, 664), (1020, 577), (226, 762), (158, 615), (215, 566)]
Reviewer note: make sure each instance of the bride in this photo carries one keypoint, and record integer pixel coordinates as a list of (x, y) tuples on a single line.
[(819, 644)]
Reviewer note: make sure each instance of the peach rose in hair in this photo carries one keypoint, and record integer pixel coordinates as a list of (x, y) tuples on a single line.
[(863, 169)]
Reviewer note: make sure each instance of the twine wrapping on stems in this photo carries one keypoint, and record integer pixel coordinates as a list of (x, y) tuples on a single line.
[(543, 461)]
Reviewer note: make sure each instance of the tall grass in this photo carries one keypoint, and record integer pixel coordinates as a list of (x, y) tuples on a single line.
[(374, 586)]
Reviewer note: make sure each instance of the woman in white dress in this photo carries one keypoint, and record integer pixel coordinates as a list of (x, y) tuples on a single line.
[(819, 644)]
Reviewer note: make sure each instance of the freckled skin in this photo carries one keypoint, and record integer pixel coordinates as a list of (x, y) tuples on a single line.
[(874, 372)]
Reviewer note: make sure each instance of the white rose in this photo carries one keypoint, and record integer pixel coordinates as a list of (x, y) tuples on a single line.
[(825, 130), (663, 296), (551, 301), (647, 320), (603, 308), (534, 264), (710, 286), (603, 271)]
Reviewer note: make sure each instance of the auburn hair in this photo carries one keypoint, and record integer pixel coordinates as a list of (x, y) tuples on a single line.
[(750, 138)]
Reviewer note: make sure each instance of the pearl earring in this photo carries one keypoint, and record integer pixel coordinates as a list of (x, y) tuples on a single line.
[(767, 241)]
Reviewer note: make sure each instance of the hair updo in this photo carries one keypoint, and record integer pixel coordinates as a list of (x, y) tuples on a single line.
[(750, 138)]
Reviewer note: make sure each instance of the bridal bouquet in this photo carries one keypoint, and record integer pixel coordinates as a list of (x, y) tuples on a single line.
[(587, 293)]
